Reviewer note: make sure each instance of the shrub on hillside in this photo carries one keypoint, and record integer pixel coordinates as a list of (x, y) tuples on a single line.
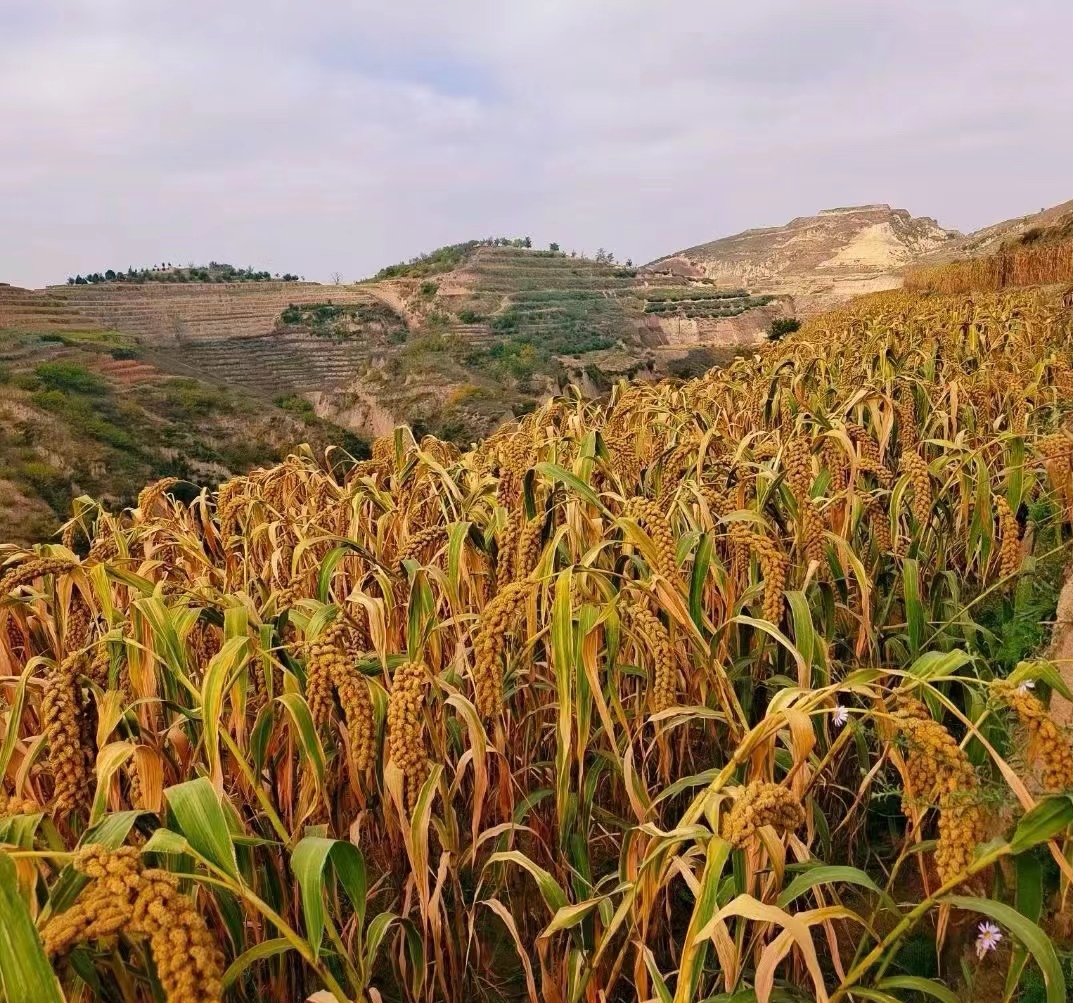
[(69, 377), (215, 271), (782, 326), (296, 404)]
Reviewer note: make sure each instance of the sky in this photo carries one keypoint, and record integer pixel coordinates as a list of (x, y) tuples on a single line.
[(332, 136)]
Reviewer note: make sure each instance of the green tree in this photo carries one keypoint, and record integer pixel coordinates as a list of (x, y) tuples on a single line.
[(782, 326)]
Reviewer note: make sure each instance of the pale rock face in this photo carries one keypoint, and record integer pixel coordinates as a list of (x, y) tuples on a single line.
[(819, 260)]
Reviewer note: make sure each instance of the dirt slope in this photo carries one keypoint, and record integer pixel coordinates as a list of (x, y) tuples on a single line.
[(819, 260), (823, 260)]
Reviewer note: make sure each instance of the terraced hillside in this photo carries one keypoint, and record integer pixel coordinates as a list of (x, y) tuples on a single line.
[(455, 349), (82, 411), (508, 326), (39, 310), (161, 315)]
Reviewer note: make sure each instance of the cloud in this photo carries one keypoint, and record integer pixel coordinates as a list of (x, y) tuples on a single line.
[(345, 135)]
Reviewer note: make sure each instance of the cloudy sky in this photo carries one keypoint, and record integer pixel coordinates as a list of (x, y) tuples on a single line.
[(340, 135)]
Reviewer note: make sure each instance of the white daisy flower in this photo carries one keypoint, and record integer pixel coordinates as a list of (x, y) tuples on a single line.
[(840, 716), (988, 938)]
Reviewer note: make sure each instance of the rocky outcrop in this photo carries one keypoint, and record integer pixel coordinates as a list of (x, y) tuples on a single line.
[(819, 260)]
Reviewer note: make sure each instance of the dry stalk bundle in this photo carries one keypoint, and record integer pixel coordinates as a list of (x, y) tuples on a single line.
[(63, 724), (655, 522), (648, 628), (30, 571), (496, 622), (331, 668), (798, 462), (914, 467), (1009, 538)]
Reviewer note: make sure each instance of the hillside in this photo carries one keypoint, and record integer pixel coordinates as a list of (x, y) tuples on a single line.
[(1053, 224), (82, 411), (818, 262), (453, 342)]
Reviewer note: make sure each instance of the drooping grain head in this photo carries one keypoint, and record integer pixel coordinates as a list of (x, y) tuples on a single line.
[(760, 804)]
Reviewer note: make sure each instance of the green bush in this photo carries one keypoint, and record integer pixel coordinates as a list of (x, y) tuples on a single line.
[(468, 316), (296, 404), (443, 259), (782, 326), (184, 398), (696, 362), (51, 484), (69, 377)]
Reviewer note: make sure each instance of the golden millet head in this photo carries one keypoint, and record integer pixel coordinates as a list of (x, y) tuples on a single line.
[(759, 804)]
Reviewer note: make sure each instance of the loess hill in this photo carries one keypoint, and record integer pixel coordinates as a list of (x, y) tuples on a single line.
[(84, 411), (730, 688), (202, 376), (454, 343)]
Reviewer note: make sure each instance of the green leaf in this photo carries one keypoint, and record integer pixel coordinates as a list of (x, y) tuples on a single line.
[(14, 715), (552, 893), (938, 664), (167, 842), (109, 760), (1037, 942), (914, 610), (327, 569), (202, 821), (1029, 903), (309, 863), (705, 908), (25, 974), (306, 734), (570, 916), (915, 983), (659, 984), (378, 929), (228, 660), (1050, 817), (259, 952), (701, 561), (553, 472), (805, 638), (829, 874), (1045, 672)]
